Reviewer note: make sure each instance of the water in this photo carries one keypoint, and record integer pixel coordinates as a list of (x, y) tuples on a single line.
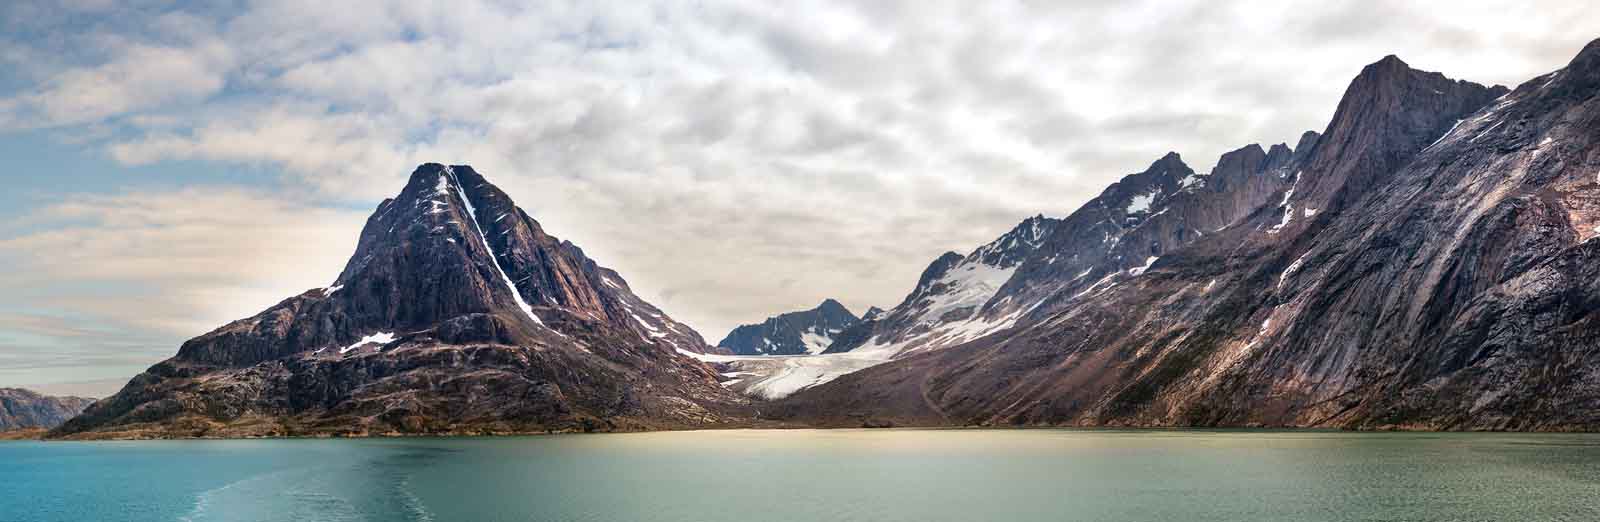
[(802, 475)]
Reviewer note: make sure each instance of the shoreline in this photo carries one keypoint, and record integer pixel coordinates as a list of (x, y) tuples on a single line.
[(36, 434)]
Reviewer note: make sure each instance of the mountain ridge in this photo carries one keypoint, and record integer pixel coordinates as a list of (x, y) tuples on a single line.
[(1432, 228), (24, 409)]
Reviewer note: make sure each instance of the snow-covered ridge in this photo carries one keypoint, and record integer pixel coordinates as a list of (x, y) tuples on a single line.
[(969, 284)]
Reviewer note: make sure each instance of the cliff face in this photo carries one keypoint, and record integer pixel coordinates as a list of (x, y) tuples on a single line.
[(1429, 264), (457, 313), (21, 409)]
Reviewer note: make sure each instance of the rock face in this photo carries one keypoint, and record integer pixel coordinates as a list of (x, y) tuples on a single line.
[(457, 313), (21, 409), (794, 333), (1427, 262)]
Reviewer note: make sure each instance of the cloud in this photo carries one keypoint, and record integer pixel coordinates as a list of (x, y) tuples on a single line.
[(732, 159), (167, 264)]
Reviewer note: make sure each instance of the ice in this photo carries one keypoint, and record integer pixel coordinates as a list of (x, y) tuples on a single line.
[(815, 342)]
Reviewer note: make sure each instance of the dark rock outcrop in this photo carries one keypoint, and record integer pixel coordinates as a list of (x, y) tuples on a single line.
[(794, 333), (20, 409), (457, 313)]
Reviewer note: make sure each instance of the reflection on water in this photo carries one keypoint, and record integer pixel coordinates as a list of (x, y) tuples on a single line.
[(911, 475)]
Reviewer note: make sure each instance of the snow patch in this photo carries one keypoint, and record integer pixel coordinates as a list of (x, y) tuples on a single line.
[(968, 285), (1445, 135), (380, 338), (1140, 203), (651, 330), (1293, 267), (815, 342), (1142, 269), (1288, 209)]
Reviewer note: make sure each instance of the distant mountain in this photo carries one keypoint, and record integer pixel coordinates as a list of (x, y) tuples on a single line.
[(1428, 262), (21, 408), (794, 333), (456, 314)]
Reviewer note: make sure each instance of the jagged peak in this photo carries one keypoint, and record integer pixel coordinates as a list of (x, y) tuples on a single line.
[(1168, 163), (937, 269), (1238, 163), (1308, 141), (1390, 61), (1588, 58), (831, 303), (1582, 74), (1388, 113)]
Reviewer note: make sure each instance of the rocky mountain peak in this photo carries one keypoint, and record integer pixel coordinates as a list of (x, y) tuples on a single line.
[(1582, 75), (1015, 245), (450, 246), (1170, 168), (793, 333), (1388, 113)]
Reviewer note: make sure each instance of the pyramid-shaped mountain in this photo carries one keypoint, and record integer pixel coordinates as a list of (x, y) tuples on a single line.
[(457, 313)]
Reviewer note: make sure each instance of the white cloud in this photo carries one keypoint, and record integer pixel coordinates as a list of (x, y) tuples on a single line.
[(174, 263)]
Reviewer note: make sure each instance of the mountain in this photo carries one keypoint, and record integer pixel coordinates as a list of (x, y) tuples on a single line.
[(951, 292), (794, 333), (1430, 265), (959, 299), (21, 409), (457, 313)]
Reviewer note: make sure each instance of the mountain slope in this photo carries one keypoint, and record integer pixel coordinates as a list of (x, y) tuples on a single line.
[(456, 313), (1431, 267), (794, 333), (21, 408), (1023, 272)]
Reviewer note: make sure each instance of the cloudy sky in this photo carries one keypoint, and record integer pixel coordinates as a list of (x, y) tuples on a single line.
[(173, 166)]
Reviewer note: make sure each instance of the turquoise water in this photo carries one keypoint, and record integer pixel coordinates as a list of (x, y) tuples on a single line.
[(803, 475)]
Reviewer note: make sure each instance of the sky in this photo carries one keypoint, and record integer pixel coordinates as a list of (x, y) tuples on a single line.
[(173, 166)]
